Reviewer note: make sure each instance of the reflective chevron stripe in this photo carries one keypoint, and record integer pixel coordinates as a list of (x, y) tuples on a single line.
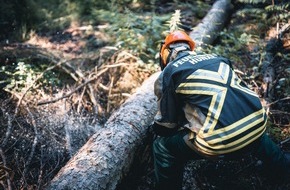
[(240, 143), (235, 83), (215, 84), (220, 76), (218, 94)]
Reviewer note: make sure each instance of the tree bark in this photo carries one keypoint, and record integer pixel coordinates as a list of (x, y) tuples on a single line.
[(208, 29), (103, 161), (107, 156)]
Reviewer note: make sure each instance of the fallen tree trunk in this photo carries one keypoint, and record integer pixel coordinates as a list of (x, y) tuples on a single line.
[(208, 29), (104, 160)]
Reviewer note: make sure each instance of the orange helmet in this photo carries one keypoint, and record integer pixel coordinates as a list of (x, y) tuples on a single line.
[(176, 36)]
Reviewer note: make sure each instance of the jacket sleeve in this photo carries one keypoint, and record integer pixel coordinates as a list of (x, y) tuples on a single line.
[(166, 116)]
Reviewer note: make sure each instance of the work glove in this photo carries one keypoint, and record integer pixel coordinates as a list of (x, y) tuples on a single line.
[(163, 131)]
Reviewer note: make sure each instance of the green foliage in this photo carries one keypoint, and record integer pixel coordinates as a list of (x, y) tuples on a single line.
[(133, 31), (246, 39), (274, 131), (233, 42), (271, 14), (254, 13), (58, 14), (281, 13), (17, 17), (24, 75), (84, 9), (232, 45)]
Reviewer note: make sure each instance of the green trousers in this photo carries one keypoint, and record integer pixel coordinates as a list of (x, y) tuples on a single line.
[(171, 153)]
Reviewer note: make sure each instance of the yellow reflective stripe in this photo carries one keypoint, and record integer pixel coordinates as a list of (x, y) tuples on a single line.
[(214, 112), (235, 83), (220, 76), (232, 146), (206, 88), (224, 71), (237, 123), (218, 97), (207, 138), (229, 136)]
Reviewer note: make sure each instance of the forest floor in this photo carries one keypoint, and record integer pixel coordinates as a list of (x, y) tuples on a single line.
[(36, 141)]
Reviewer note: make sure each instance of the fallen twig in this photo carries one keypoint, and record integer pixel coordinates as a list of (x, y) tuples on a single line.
[(80, 100), (116, 65), (92, 97), (9, 129), (109, 93), (286, 98), (76, 89), (6, 171), (35, 141), (32, 84)]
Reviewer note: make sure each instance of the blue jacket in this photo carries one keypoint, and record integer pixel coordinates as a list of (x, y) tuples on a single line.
[(203, 93)]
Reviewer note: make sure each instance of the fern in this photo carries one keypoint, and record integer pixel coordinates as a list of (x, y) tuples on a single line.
[(133, 31), (175, 22), (254, 13), (281, 12), (277, 8)]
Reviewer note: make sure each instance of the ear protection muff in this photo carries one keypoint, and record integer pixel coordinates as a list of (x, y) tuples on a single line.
[(161, 61), (166, 56), (171, 52)]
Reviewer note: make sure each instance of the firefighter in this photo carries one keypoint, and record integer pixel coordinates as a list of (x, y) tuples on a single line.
[(205, 111)]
